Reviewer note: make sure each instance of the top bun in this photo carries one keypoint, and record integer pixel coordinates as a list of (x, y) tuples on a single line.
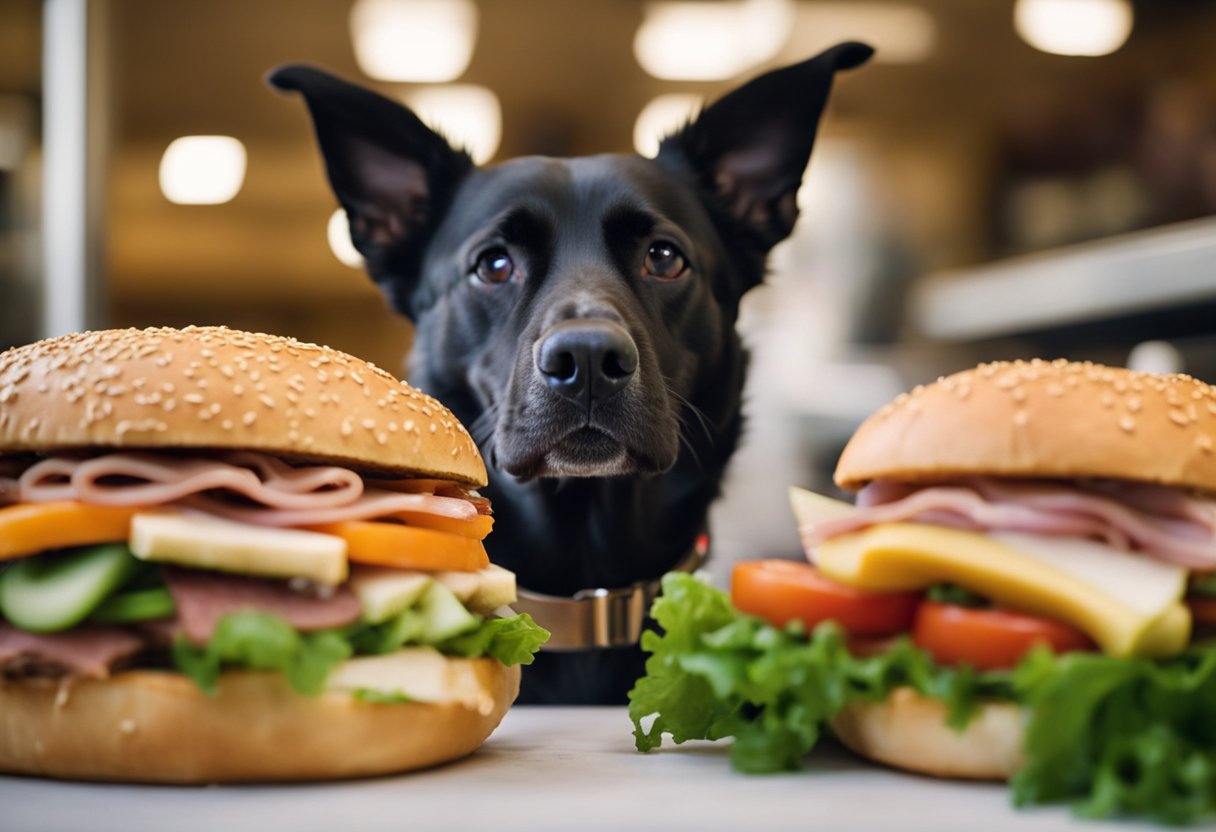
[(1058, 419), (213, 387)]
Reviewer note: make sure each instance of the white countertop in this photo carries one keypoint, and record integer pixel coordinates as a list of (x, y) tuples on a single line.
[(549, 769)]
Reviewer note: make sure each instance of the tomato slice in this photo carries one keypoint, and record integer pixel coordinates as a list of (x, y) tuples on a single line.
[(781, 591), (989, 639), (1203, 609)]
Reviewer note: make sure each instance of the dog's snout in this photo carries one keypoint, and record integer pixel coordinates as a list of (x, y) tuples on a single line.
[(587, 360)]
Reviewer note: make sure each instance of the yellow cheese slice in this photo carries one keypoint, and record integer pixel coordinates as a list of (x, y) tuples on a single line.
[(1128, 604)]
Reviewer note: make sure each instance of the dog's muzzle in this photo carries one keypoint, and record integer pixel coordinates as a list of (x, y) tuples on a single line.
[(596, 618)]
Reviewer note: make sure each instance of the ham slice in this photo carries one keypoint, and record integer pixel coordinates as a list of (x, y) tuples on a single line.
[(83, 651), (243, 485), (1162, 522), (202, 598)]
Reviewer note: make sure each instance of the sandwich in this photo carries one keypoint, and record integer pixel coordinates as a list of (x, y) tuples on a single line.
[(230, 557), (1023, 591)]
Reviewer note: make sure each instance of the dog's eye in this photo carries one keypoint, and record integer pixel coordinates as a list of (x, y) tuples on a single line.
[(664, 261), (495, 266)]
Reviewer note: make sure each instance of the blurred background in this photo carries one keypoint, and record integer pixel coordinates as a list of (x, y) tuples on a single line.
[(1006, 179)]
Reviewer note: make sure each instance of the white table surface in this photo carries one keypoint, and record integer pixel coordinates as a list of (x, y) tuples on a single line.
[(549, 769)]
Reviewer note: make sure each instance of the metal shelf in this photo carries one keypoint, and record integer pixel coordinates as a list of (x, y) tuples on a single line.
[(1173, 267)]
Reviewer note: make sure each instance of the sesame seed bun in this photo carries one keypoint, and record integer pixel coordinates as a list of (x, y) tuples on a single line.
[(213, 387), (909, 732), (158, 727), (1058, 419)]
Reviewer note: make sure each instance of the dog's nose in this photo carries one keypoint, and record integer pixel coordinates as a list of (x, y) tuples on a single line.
[(587, 359)]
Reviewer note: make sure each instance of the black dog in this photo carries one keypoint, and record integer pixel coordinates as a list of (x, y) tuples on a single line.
[(578, 315)]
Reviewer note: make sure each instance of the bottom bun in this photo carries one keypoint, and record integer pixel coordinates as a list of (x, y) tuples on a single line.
[(158, 727), (910, 732)]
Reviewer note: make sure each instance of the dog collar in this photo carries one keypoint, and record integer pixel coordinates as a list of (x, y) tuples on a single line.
[(597, 618)]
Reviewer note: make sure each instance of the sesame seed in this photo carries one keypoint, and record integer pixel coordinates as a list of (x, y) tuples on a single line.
[(368, 424), (1179, 418), (193, 398), (1021, 418), (1127, 423), (266, 400)]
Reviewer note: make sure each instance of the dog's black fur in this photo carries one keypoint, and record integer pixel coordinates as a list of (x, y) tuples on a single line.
[(578, 315)]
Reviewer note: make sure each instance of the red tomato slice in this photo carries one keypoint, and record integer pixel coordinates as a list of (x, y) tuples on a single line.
[(1203, 609), (781, 591), (989, 639)]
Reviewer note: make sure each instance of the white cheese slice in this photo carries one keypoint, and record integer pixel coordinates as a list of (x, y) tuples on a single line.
[(1140, 582), (207, 542), (421, 674)]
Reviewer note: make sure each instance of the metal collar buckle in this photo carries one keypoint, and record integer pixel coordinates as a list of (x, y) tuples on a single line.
[(596, 618)]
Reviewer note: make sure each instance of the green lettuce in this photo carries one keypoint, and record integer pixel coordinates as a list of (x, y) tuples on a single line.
[(1110, 736), (261, 641), (1121, 736), (512, 641)]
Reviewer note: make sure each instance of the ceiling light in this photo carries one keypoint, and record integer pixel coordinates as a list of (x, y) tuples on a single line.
[(202, 170), (466, 115), (1074, 27), (413, 40), (694, 40), (661, 117), (338, 232), (899, 32)]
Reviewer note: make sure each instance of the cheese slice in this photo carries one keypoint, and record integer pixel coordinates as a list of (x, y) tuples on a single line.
[(385, 592), (1129, 604), (421, 674), (207, 542)]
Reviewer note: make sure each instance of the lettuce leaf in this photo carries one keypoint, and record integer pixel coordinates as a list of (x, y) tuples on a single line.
[(512, 641), (261, 641), (1121, 736), (715, 672), (1110, 736)]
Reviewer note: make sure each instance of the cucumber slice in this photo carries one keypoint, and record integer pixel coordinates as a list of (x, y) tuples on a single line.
[(135, 605), (55, 591), (443, 615)]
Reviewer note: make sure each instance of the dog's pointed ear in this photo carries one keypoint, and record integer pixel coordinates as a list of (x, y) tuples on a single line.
[(751, 146), (391, 172)]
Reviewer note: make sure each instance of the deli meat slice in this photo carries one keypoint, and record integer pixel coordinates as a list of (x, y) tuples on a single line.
[(83, 651), (202, 598), (1162, 522), (240, 485)]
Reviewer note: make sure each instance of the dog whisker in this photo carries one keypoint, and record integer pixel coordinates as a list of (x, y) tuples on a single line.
[(694, 410), (482, 429)]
